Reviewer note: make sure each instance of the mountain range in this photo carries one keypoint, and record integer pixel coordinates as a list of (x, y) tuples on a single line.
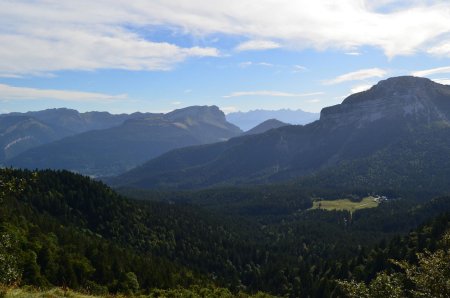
[(399, 113), (140, 137), (62, 229), (250, 119), (22, 131)]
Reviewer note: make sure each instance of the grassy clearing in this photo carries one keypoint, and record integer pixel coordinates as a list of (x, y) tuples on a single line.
[(53, 293), (194, 292), (345, 204)]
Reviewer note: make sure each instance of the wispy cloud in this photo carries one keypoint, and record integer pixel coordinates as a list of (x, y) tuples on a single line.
[(250, 63), (265, 64), (443, 81), (66, 49), (23, 93), (353, 53), (431, 71), (299, 68), (10, 76), (358, 76), (360, 88), (42, 37), (442, 49), (176, 103), (270, 93), (257, 45)]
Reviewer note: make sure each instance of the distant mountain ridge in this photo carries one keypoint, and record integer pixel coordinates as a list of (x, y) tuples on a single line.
[(77, 122), (265, 126), (248, 120), (396, 109), (111, 151), (22, 131)]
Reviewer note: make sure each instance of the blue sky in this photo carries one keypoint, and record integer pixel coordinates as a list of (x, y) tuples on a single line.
[(159, 55)]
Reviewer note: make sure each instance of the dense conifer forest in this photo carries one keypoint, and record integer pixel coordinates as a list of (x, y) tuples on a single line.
[(60, 229)]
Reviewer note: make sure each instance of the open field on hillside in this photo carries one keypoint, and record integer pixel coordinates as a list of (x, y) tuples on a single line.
[(345, 204), (51, 293), (193, 292)]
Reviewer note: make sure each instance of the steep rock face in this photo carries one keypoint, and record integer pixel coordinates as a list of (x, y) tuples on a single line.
[(206, 122), (114, 150), (400, 97), (363, 124)]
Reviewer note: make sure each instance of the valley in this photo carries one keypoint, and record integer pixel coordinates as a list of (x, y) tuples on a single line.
[(281, 211), (225, 149)]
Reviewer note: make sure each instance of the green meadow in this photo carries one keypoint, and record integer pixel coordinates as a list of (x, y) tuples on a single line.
[(345, 204)]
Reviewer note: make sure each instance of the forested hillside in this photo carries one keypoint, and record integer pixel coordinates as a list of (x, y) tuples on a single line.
[(398, 129), (111, 151), (22, 131), (63, 229)]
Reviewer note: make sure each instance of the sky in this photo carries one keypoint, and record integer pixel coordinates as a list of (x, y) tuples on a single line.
[(160, 55)]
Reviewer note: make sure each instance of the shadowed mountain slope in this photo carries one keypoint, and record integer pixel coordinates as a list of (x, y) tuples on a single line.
[(401, 109), (117, 149), (22, 131), (265, 126)]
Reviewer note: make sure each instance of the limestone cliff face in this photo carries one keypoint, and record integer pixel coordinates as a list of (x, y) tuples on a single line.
[(400, 97)]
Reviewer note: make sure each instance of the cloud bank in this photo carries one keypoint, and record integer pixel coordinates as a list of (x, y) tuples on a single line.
[(44, 36)]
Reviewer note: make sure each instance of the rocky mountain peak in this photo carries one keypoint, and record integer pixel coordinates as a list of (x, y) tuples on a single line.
[(406, 96), (197, 112), (397, 86)]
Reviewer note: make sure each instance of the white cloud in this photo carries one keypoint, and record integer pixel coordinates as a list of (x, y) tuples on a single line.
[(228, 110), (245, 64), (442, 49), (443, 81), (8, 92), (358, 75), (10, 76), (299, 68), (250, 63), (360, 88), (176, 103), (44, 36), (257, 45), (319, 24), (353, 53), (270, 93), (265, 64), (432, 71), (65, 49)]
